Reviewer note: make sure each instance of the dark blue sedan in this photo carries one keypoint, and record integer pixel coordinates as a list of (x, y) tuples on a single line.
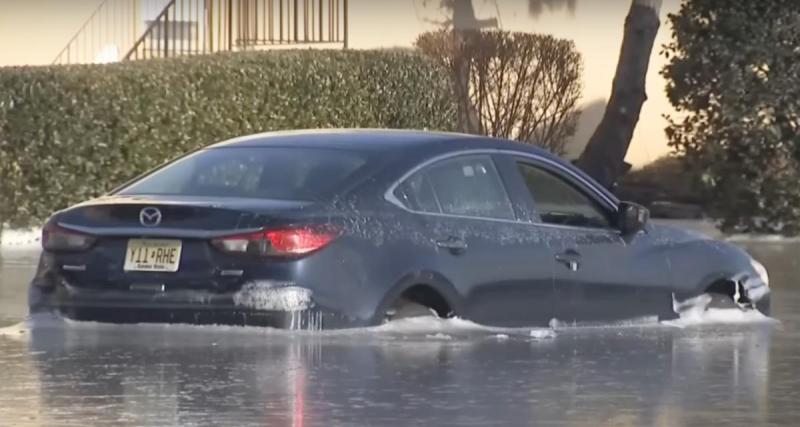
[(331, 229)]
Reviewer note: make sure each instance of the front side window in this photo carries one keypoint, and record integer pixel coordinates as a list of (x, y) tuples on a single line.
[(464, 186), (252, 172), (559, 202)]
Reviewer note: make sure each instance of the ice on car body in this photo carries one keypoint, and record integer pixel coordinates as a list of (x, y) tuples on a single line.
[(273, 296)]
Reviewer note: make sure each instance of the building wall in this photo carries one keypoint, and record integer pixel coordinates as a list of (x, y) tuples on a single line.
[(32, 32)]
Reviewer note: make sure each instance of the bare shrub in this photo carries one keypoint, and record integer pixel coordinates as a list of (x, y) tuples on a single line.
[(512, 85)]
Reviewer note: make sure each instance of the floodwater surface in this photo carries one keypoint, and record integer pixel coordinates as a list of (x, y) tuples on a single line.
[(722, 370)]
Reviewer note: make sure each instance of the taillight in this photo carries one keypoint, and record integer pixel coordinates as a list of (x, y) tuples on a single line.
[(278, 242), (55, 238)]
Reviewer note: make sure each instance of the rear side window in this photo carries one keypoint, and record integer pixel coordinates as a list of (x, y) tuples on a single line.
[(252, 172), (464, 186), (559, 202), (417, 194)]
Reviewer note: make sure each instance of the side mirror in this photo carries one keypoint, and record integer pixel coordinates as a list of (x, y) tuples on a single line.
[(632, 218)]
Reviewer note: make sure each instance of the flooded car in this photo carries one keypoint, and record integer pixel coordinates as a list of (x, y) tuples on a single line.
[(333, 229)]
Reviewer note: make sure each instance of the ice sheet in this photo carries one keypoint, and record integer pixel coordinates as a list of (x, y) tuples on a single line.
[(420, 327), (696, 311), (720, 316), (20, 239)]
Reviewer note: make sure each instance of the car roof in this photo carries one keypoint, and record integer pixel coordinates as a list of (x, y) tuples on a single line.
[(391, 142), (375, 140)]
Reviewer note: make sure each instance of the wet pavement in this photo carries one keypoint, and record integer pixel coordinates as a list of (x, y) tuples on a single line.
[(431, 373)]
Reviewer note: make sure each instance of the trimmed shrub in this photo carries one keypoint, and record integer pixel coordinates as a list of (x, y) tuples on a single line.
[(667, 187), (666, 179), (72, 133), (733, 79)]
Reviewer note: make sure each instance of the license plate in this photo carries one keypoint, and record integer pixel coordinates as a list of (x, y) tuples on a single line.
[(153, 255)]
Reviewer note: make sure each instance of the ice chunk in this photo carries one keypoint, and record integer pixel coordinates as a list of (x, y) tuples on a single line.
[(716, 316), (439, 336), (270, 295), (15, 331), (696, 311), (541, 334), (693, 307), (429, 324), (22, 330)]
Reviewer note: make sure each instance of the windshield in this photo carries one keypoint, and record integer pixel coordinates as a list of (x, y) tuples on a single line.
[(252, 172)]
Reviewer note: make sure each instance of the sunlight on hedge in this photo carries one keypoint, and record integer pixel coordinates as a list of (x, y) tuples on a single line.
[(71, 133)]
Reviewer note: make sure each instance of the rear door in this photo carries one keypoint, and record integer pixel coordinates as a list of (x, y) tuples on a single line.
[(600, 275), (484, 247)]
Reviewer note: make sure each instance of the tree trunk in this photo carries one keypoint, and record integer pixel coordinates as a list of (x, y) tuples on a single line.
[(1, 238), (2, 215), (7, 203), (465, 24), (604, 157), (468, 119)]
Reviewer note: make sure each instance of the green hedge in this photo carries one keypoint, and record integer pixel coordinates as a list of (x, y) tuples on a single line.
[(71, 133)]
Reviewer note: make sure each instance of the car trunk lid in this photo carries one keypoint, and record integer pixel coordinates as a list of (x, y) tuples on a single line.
[(183, 224)]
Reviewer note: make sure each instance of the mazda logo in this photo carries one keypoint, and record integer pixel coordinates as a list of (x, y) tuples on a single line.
[(150, 217)]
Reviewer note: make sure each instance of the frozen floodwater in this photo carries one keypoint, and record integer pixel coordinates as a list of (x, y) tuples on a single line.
[(720, 368)]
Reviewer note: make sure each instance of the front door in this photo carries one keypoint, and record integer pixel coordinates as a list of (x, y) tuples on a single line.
[(600, 275)]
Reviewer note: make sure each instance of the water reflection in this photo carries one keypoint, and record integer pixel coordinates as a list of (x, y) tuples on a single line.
[(86, 375), (178, 376)]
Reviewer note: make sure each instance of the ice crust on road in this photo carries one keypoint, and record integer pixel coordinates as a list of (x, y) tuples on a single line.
[(696, 312), (427, 328), (20, 239), (761, 238), (721, 316), (540, 334)]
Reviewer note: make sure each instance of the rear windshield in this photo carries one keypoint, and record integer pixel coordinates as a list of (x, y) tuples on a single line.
[(252, 172)]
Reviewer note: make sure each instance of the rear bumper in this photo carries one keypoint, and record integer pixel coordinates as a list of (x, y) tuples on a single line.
[(281, 307)]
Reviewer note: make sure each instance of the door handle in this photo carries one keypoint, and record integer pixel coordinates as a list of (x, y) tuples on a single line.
[(570, 258), (455, 245)]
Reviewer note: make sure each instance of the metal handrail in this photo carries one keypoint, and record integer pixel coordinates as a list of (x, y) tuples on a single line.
[(233, 25), (188, 27), (149, 31), (112, 26), (80, 31)]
